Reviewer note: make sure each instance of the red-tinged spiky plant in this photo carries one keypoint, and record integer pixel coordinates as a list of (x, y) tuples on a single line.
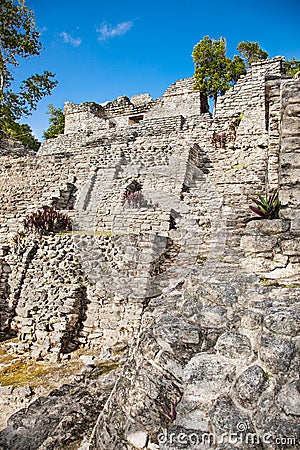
[(267, 208), (47, 220)]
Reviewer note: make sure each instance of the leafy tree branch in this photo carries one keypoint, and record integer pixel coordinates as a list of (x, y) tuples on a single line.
[(19, 40)]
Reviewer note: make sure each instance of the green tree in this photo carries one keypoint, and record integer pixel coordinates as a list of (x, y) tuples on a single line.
[(292, 66), (252, 51), (215, 73), (19, 132), (237, 68), (56, 122), (19, 40)]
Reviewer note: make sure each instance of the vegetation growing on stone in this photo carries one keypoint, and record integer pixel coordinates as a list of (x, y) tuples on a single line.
[(292, 66), (252, 52), (47, 220), (56, 122), (215, 72), (9, 128), (267, 208), (170, 411)]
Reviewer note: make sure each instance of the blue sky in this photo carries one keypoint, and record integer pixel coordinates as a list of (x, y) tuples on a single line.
[(102, 49)]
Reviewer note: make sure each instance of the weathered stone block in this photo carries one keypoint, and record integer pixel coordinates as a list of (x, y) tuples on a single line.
[(251, 320), (268, 227), (208, 376), (276, 353), (295, 226), (258, 244), (250, 385), (289, 398), (281, 434), (291, 246), (138, 438), (283, 321), (213, 317), (234, 345), (227, 418), (288, 273)]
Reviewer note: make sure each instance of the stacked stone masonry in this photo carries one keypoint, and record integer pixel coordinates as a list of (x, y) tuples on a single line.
[(199, 296)]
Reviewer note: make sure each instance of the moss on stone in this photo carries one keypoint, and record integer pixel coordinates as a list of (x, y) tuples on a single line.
[(17, 370), (106, 368), (21, 373)]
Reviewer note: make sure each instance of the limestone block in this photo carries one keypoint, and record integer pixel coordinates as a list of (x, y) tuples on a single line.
[(177, 331), (258, 244), (276, 353), (279, 261), (250, 385), (257, 265), (285, 431), (251, 320), (289, 398), (138, 438), (283, 321), (269, 227), (234, 345), (213, 317), (227, 418), (295, 226), (290, 272), (208, 376), (291, 246)]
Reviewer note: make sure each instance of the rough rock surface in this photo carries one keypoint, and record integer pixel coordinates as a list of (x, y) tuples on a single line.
[(61, 418)]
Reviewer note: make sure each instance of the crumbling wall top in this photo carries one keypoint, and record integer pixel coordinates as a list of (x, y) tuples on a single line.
[(141, 99), (87, 107), (183, 86)]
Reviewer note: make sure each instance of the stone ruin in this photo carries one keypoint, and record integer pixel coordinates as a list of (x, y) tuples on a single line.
[(192, 303)]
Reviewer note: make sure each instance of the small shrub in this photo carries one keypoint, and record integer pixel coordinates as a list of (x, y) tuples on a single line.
[(267, 208), (134, 186), (19, 242), (219, 140), (47, 220), (136, 200), (133, 197)]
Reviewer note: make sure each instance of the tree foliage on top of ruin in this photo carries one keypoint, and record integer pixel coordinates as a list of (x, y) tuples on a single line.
[(292, 66), (19, 132), (56, 122), (19, 40), (215, 72), (252, 52)]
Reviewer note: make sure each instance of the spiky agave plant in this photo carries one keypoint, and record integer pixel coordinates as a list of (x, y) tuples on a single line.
[(267, 208)]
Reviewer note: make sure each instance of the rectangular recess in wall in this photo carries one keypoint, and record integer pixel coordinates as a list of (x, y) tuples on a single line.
[(133, 120)]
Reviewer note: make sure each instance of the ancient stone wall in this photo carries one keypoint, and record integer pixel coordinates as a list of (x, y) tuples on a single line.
[(201, 297), (84, 118), (272, 250), (289, 148)]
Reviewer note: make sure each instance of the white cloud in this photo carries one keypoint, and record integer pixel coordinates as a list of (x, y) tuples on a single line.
[(107, 31), (43, 29), (68, 39)]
